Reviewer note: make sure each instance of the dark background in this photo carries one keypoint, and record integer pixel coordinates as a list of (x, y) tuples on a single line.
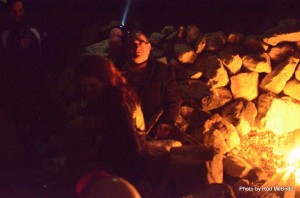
[(65, 21)]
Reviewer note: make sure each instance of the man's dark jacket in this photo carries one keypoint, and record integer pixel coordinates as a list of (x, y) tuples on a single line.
[(159, 89)]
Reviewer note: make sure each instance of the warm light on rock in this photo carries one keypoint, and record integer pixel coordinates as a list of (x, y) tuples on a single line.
[(276, 80), (245, 85), (283, 116)]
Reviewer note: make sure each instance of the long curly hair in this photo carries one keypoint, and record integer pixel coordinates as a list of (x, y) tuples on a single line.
[(105, 71)]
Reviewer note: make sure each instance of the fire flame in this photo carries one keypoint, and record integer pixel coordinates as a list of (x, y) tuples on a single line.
[(294, 158), (294, 163)]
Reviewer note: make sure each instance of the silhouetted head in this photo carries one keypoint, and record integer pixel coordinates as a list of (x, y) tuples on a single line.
[(97, 73), (17, 11)]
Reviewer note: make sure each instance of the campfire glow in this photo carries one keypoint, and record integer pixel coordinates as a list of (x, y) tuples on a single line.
[(294, 164)]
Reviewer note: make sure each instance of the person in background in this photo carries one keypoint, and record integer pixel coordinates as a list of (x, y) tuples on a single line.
[(110, 48), (22, 54), (154, 82)]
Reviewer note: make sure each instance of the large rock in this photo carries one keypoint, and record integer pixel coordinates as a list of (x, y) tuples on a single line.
[(297, 73), (254, 44), (188, 57), (200, 44), (257, 62), (191, 119), (185, 53), (190, 114), (215, 170), (231, 60), (219, 97), (292, 88), (241, 114), (167, 30), (184, 74), (281, 52), (235, 38), (156, 38), (263, 105), (245, 85), (286, 31), (276, 80), (212, 69), (193, 91), (235, 166), (192, 33), (171, 37), (282, 116), (220, 134), (215, 41)]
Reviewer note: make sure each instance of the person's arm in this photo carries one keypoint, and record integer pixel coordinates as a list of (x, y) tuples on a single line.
[(171, 104)]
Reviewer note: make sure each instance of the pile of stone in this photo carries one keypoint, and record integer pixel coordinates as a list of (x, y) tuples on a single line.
[(233, 84)]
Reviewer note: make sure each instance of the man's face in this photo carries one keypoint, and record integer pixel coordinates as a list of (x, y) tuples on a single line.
[(139, 49), (17, 11)]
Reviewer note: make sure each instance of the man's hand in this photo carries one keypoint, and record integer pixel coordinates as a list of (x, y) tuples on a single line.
[(163, 130)]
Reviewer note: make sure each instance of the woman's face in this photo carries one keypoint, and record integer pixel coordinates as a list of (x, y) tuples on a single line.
[(91, 88)]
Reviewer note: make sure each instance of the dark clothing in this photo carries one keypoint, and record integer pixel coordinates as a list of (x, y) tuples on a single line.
[(157, 88), (106, 137)]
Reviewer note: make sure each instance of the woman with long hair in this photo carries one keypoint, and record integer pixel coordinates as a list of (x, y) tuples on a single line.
[(110, 134)]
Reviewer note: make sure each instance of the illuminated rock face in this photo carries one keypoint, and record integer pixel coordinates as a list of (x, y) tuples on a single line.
[(257, 62), (231, 60), (244, 85), (276, 80), (292, 89), (220, 134), (245, 90), (283, 116), (286, 31), (212, 69)]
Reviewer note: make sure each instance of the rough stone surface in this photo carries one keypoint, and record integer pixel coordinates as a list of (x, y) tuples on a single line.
[(156, 38), (188, 57), (200, 44), (231, 60), (193, 91), (280, 52), (192, 33), (167, 30), (254, 44), (215, 170), (292, 88), (219, 97), (220, 134), (297, 73), (212, 69), (215, 41), (257, 62), (184, 74), (235, 38), (241, 114), (235, 166), (286, 31), (276, 80), (245, 85), (263, 105), (185, 53)]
